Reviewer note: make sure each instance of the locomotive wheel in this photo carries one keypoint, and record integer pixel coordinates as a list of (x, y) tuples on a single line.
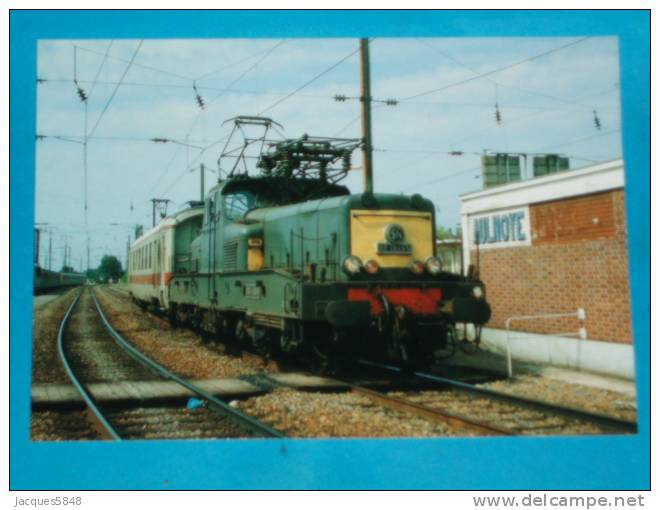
[(171, 316), (229, 339), (265, 343), (327, 353)]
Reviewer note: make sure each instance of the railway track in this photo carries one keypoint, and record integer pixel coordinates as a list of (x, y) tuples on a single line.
[(92, 350), (442, 399), (509, 414)]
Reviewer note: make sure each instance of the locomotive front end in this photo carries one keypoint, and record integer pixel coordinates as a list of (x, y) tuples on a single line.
[(413, 304)]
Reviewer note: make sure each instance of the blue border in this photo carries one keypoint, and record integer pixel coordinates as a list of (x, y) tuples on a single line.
[(529, 463)]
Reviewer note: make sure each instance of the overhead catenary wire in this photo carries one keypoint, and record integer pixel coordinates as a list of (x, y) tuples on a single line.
[(79, 139), (234, 82), (264, 56), (235, 63), (114, 92), (193, 165), (497, 82), (309, 82), (98, 72), (140, 65), (276, 93), (496, 70), (282, 97)]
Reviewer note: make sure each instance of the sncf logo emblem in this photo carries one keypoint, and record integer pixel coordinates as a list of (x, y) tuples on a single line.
[(394, 233), (394, 245)]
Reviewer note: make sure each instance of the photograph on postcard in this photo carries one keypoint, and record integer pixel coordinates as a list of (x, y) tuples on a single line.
[(330, 238)]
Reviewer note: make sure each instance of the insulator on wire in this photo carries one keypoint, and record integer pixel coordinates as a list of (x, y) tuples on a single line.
[(391, 102), (597, 121), (455, 153), (340, 98), (498, 115), (81, 94), (198, 98)]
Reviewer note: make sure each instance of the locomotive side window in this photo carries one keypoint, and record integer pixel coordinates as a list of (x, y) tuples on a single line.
[(239, 203)]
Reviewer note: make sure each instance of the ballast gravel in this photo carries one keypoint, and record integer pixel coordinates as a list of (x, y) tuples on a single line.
[(179, 349), (312, 414), (46, 366), (586, 398)]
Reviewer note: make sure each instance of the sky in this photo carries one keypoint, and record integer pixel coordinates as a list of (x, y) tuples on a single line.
[(547, 91)]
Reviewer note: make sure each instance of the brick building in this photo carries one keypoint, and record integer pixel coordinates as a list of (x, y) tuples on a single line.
[(551, 245)]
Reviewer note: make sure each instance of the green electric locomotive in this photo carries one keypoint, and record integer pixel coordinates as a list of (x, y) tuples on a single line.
[(289, 261)]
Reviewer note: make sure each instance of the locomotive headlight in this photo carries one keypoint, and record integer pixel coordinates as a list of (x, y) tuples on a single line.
[(371, 266), (477, 292), (352, 264), (417, 266), (433, 265)]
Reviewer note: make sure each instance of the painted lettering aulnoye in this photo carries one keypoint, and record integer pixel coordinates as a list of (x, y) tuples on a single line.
[(500, 229)]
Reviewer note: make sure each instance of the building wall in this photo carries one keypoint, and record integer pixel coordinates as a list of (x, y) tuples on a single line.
[(577, 258), (553, 244)]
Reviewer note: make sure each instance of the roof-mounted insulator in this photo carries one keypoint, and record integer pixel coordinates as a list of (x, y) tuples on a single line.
[(498, 115), (597, 123), (340, 98)]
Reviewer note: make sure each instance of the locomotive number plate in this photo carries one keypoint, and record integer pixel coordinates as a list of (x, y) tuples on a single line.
[(394, 248)]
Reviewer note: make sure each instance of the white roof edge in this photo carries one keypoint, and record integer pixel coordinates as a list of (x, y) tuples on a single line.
[(591, 179), (536, 181), (172, 219)]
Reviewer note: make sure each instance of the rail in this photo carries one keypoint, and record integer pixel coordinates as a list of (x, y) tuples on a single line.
[(105, 429), (253, 425), (607, 422)]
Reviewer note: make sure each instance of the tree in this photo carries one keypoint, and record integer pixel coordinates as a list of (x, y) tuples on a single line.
[(110, 268), (443, 232), (92, 274)]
